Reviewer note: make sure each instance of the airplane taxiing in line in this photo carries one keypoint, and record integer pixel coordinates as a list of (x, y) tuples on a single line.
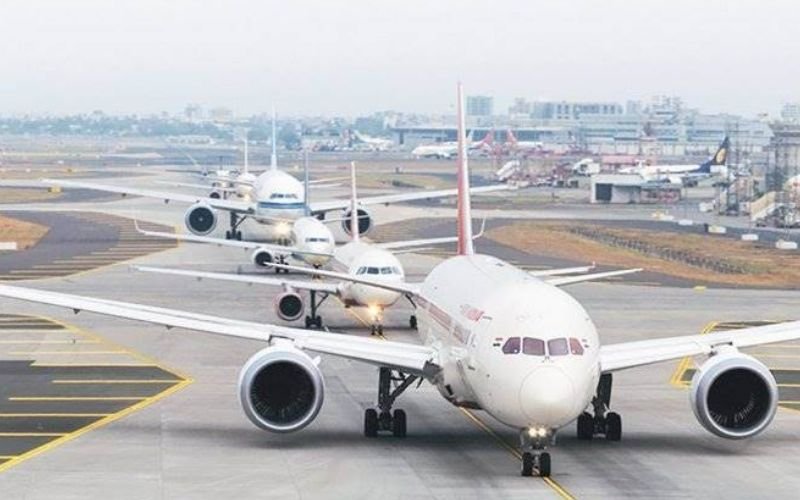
[(494, 337)]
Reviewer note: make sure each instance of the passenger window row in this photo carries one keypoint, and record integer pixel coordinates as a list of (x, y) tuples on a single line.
[(536, 347)]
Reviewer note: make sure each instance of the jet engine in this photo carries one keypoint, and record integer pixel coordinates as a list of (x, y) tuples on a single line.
[(734, 395), (262, 257), (364, 221), (215, 195), (281, 389), (200, 219), (289, 306)]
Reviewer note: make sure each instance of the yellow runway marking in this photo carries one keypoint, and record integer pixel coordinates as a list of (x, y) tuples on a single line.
[(8, 457), (113, 381)]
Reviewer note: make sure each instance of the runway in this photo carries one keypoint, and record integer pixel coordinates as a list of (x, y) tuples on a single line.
[(196, 443)]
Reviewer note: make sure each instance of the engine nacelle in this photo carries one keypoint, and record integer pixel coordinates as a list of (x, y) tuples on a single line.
[(734, 395), (281, 389), (364, 221), (200, 219), (262, 257), (216, 195), (289, 306)]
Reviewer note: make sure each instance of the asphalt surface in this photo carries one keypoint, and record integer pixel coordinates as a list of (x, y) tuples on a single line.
[(78, 242), (196, 443)]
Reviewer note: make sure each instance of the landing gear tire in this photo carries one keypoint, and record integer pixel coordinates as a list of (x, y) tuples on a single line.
[(527, 465), (613, 426), (370, 423), (412, 322), (313, 322), (544, 465), (228, 235), (238, 235), (585, 426), (399, 424)]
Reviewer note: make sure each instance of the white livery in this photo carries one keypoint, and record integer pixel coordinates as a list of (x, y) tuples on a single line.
[(493, 337)]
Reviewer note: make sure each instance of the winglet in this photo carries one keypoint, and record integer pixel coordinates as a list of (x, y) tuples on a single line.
[(306, 190), (464, 228)]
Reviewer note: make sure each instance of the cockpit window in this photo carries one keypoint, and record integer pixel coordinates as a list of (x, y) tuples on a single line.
[(396, 270), (575, 347), (557, 347), (533, 347), (386, 270), (511, 346), (316, 240), (372, 270), (283, 196), (361, 270)]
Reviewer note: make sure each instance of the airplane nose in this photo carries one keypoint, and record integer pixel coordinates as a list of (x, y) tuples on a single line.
[(547, 396)]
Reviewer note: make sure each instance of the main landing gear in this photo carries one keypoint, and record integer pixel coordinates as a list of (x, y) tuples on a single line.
[(603, 422), (313, 319), (390, 385), (233, 233)]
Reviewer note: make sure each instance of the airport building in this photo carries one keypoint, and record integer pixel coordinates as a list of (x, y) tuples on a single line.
[(480, 105)]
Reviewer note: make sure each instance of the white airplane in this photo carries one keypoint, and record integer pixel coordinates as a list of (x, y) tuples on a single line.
[(360, 141), (495, 338), (276, 197), (447, 150), (357, 258), (516, 146), (678, 174)]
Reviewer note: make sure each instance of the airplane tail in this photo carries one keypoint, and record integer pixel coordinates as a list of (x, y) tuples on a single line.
[(246, 157), (306, 183), (355, 221), (720, 158), (273, 159), (511, 138), (464, 228)]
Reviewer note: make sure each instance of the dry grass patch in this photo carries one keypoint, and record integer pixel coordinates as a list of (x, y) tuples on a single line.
[(26, 234), (700, 258)]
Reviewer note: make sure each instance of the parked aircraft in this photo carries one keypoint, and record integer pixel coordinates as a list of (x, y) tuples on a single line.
[(680, 174)]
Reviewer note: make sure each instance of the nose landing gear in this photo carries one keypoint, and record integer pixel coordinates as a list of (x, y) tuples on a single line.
[(534, 457), (603, 421)]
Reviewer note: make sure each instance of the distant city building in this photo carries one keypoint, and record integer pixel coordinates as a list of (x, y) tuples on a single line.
[(193, 113), (480, 105), (791, 112), (566, 110), (221, 115), (520, 107)]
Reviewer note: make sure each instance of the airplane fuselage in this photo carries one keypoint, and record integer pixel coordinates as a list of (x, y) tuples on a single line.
[(524, 351), (278, 196), (364, 260)]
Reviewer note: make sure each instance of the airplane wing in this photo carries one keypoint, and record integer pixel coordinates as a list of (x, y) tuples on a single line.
[(401, 287), (316, 285), (247, 245), (414, 359), (569, 280), (207, 187), (562, 270), (327, 206), (625, 355), (229, 205), (407, 244)]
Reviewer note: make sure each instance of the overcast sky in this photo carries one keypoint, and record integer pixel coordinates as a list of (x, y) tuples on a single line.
[(354, 56)]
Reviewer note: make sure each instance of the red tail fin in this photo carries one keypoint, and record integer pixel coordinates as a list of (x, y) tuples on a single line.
[(464, 229)]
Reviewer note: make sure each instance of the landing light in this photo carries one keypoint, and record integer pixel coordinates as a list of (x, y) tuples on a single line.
[(374, 311), (539, 432), (283, 229)]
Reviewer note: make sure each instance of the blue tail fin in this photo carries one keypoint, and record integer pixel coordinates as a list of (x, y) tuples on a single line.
[(719, 158)]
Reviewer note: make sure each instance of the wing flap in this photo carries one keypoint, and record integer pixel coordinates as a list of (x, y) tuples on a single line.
[(411, 358), (625, 355)]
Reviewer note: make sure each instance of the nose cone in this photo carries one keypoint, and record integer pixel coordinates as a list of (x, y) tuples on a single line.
[(547, 397)]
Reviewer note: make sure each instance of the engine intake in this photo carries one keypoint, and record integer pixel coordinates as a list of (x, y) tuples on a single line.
[(262, 257), (281, 389), (200, 219), (734, 395), (289, 306), (364, 221)]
